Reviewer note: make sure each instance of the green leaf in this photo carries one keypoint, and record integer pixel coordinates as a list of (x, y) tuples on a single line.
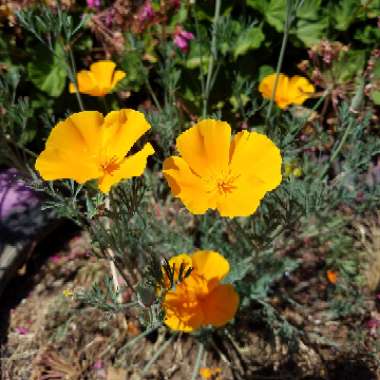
[(47, 72), (344, 14), (250, 39), (274, 11), (309, 10), (275, 14), (259, 5), (310, 33), (368, 35)]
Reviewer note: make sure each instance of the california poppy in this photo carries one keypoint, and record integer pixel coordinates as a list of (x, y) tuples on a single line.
[(200, 299), (99, 80), (294, 90), (215, 173), (89, 146)]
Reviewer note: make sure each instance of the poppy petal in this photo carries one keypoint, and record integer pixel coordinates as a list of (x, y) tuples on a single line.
[(205, 146), (117, 77), (131, 166), (256, 158), (210, 264), (122, 129), (86, 83), (187, 186), (221, 305), (103, 72), (182, 315)]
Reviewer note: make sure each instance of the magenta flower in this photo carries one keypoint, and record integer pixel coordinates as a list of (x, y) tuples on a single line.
[(176, 3), (22, 330), (182, 38), (147, 12), (95, 4)]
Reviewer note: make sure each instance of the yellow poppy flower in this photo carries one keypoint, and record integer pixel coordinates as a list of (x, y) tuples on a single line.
[(89, 146), (99, 80), (215, 173), (294, 90), (200, 299), (210, 373)]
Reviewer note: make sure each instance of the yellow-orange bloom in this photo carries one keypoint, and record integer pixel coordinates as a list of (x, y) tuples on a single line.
[(89, 146), (210, 373), (294, 90), (99, 80), (215, 173), (200, 299)]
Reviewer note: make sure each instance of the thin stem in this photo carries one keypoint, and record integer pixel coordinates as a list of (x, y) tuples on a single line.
[(152, 94), (282, 53), (72, 73), (213, 58), (338, 148), (112, 258), (138, 338), (198, 361), (157, 354)]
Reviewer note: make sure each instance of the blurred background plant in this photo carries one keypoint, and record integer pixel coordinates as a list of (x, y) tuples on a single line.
[(309, 242)]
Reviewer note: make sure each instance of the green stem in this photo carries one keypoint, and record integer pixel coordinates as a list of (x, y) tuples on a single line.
[(282, 53), (152, 94), (338, 148), (198, 360), (132, 342), (72, 74), (158, 353), (213, 58)]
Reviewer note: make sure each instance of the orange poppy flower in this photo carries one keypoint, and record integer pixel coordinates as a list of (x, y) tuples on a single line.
[(210, 373), (89, 146), (99, 80), (294, 90), (200, 299), (215, 173), (331, 276)]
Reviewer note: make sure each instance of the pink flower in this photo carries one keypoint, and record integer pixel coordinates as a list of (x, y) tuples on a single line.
[(22, 330), (55, 259), (94, 4), (176, 3), (98, 364), (182, 38), (147, 12)]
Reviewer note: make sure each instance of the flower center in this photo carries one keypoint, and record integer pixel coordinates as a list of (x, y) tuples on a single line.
[(222, 184), (226, 186), (110, 166)]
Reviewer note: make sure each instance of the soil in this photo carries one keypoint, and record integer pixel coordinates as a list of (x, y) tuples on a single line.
[(47, 335)]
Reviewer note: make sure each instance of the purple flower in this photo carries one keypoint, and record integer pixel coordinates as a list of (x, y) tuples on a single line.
[(22, 330), (95, 4), (182, 38), (14, 195), (98, 364), (373, 323), (147, 12)]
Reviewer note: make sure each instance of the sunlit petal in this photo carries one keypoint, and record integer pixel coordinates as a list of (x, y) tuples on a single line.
[(122, 129), (263, 156), (210, 264), (131, 166), (187, 186), (205, 146)]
